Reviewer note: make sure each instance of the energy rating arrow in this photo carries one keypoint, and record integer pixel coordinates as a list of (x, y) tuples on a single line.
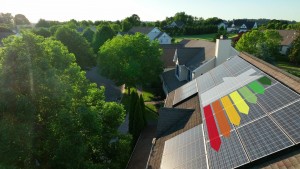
[(239, 102), (221, 118), (232, 114), (256, 87), (248, 95), (213, 134)]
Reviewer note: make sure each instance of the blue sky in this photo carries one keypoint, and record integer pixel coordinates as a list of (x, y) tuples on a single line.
[(153, 10)]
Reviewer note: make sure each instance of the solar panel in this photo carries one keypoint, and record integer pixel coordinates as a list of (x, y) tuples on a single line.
[(255, 112), (205, 82), (185, 92), (289, 119), (184, 150), (262, 137), (236, 65), (230, 155), (276, 97), (219, 73)]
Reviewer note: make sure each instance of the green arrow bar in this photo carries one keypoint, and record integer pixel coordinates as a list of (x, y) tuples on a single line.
[(256, 87), (248, 95), (265, 81)]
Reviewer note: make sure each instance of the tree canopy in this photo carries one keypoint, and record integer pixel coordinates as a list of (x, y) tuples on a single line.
[(104, 32), (51, 116), (21, 19), (88, 34), (294, 54), (76, 44), (130, 59), (263, 44)]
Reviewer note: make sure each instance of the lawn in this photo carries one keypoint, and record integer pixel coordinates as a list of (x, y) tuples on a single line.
[(151, 110), (208, 37), (288, 67)]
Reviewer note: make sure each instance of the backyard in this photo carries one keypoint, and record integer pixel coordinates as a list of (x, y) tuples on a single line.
[(208, 37)]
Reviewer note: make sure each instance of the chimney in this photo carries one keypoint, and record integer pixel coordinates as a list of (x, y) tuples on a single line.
[(223, 49)]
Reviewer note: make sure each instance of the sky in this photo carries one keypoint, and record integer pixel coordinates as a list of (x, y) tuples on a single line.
[(151, 10)]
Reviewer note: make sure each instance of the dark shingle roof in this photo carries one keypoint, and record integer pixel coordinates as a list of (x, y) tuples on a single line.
[(184, 55), (144, 30), (288, 36), (170, 80), (170, 116), (168, 54)]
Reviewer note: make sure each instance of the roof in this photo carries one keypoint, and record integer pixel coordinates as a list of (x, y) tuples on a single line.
[(288, 36), (269, 129), (170, 116), (170, 80), (168, 54), (208, 46), (144, 30), (179, 23), (193, 120), (240, 22), (185, 55)]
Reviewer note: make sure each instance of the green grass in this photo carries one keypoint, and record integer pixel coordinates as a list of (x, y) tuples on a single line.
[(208, 37), (151, 113), (148, 96), (288, 67)]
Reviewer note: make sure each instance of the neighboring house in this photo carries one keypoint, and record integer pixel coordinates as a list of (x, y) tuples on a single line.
[(223, 24), (153, 33), (194, 58), (288, 36), (176, 24), (242, 25), (195, 128)]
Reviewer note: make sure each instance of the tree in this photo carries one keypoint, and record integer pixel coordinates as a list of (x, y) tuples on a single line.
[(6, 19), (51, 116), (129, 22), (42, 23), (143, 110), (133, 101), (21, 20), (130, 59), (77, 45), (263, 44), (102, 35), (42, 32), (88, 34), (294, 54)]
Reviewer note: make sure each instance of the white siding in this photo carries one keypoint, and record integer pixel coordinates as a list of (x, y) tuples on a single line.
[(204, 68), (153, 34), (284, 49), (183, 73), (164, 39)]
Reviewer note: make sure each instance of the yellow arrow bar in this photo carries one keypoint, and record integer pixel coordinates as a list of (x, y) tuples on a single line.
[(239, 102), (232, 114)]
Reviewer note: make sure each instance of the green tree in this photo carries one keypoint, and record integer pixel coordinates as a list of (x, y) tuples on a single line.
[(263, 44), (133, 101), (42, 23), (20, 19), (76, 44), (130, 59), (88, 34), (294, 54), (42, 32), (143, 110), (50, 113), (103, 34), (6, 19)]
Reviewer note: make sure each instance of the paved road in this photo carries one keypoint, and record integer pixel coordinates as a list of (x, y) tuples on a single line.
[(112, 92)]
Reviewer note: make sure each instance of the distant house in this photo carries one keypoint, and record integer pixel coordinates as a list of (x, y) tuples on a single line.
[(288, 36), (194, 58), (242, 25), (153, 33), (176, 24), (223, 24)]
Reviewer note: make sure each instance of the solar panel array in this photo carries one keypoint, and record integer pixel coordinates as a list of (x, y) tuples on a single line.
[(185, 92), (272, 124)]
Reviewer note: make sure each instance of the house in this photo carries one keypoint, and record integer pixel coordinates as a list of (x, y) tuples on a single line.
[(288, 36), (242, 25), (176, 24), (153, 33), (223, 24), (194, 58), (197, 129)]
